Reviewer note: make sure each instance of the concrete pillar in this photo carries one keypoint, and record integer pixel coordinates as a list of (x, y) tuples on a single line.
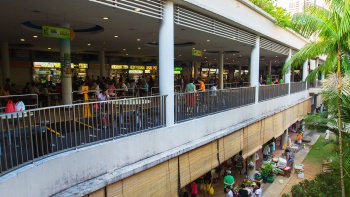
[(195, 69), (102, 60), (285, 139), (166, 60), (287, 74), (66, 70), (254, 67), (5, 61), (269, 70), (221, 69), (305, 69), (251, 171)]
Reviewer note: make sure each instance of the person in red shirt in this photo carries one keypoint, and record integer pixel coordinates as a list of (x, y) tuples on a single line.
[(194, 190)]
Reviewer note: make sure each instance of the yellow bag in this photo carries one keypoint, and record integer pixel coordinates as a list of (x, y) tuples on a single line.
[(211, 190)]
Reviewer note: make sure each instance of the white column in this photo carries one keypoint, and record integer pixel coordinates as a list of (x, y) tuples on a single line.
[(221, 69), (5, 61), (254, 67), (287, 74), (285, 139), (66, 70), (305, 69), (102, 60), (166, 60), (269, 70), (251, 171)]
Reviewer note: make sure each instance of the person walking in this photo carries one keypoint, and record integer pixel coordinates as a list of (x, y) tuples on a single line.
[(326, 135)]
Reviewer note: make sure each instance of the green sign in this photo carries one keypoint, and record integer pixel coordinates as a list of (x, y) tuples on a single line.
[(177, 68), (197, 53), (56, 32)]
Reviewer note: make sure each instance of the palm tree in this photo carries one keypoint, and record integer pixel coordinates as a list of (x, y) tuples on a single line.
[(332, 28)]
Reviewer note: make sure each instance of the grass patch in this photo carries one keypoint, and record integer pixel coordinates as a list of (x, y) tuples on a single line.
[(320, 151)]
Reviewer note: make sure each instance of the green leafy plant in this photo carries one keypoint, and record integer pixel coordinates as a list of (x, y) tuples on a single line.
[(267, 169)]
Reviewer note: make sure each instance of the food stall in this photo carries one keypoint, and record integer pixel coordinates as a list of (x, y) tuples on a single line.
[(136, 72), (119, 71), (44, 72), (80, 69), (151, 71), (177, 70)]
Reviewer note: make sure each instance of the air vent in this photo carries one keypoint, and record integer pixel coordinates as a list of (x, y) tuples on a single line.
[(272, 46), (203, 23), (151, 8)]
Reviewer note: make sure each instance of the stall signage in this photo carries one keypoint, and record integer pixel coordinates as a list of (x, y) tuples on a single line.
[(83, 65), (177, 68), (147, 71), (196, 52), (56, 32), (205, 69), (151, 68), (134, 67), (72, 65), (119, 67), (213, 70), (135, 71), (46, 65), (177, 72)]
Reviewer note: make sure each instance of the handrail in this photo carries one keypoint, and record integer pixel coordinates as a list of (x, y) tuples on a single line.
[(21, 95), (30, 135)]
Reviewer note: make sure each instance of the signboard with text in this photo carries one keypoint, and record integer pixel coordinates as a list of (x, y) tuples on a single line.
[(56, 32)]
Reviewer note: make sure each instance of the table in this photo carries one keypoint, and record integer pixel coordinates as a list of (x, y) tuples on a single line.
[(134, 104)]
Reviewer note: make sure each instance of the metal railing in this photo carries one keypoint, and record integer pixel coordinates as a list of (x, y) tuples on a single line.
[(31, 101), (272, 91), (33, 134), (155, 90), (297, 87), (194, 105)]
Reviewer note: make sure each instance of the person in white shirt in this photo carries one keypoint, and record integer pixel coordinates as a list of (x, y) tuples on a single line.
[(326, 135), (266, 151), (258, 191), (229, 192)]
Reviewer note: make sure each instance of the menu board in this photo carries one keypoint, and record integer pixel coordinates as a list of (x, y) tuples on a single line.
[(119, 67), (135, 67), (46, 65), (135, 71)]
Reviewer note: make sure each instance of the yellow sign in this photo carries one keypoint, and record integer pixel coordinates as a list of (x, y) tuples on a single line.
[(134, 67)]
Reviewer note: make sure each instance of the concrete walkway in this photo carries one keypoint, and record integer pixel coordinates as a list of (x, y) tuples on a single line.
[(275, 188)]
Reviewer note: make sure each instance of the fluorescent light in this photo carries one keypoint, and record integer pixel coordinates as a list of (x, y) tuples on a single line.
[(35, 36), (105, 18), (22, 40)]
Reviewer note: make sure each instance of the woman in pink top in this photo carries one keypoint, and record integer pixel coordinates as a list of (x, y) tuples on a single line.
[(111, 89), (194, 190)]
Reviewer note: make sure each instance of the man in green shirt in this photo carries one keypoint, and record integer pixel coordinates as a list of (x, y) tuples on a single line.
[(229, 180)]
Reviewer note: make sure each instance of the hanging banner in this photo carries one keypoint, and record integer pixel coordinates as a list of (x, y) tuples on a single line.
[(56, 32), (196, 52)]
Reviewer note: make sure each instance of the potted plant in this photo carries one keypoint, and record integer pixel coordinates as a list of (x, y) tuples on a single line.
[(266, 171)]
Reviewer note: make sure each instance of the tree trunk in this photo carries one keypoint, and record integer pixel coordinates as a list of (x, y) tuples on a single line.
[(340, 128)]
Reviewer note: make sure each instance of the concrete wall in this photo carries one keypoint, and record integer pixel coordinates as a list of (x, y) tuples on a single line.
[(238, 12), (126, 156)]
